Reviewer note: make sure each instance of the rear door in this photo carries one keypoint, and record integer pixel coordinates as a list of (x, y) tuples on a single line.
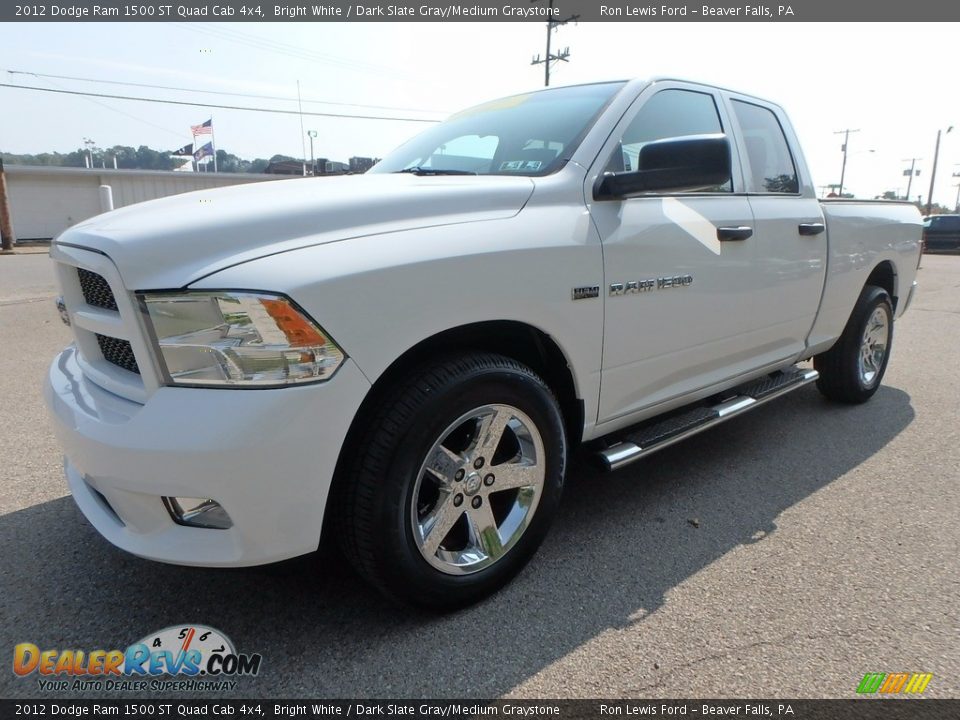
[(789, 238), (678, 305)]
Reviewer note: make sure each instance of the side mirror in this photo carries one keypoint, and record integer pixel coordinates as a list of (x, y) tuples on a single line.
[(686, 164)]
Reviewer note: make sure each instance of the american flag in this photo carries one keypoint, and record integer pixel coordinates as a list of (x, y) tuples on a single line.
[(203, 129)]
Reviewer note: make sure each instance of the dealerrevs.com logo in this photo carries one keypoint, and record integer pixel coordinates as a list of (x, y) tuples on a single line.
[(202, 658)]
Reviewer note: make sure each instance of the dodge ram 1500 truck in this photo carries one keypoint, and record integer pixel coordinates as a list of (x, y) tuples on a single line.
[(408, 357)]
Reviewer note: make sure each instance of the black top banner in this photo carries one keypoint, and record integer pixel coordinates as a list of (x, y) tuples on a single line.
[(496, 10)]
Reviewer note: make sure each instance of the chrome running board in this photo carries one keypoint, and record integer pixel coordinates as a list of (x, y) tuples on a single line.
[(663, 433)]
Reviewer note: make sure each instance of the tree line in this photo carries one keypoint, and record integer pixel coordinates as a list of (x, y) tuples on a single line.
[(141, 158)]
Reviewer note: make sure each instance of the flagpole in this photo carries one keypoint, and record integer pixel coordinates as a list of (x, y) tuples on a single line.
[(213, 142), (193, 146), (303, 137)]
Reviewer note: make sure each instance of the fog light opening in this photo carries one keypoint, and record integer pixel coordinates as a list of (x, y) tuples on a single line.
[(198, 512)]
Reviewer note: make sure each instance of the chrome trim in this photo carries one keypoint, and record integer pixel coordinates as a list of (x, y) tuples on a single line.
[(620, 454), (731, 407)]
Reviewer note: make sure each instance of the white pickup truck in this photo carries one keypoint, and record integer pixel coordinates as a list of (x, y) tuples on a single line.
[(409, 357)]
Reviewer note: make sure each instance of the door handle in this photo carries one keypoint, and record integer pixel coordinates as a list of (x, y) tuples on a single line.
[(741, 232), (812, 228)]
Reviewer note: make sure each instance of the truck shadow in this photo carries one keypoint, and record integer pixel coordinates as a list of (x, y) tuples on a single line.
[(621, 543)]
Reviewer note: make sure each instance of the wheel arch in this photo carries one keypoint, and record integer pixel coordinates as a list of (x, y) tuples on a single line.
[(884, 275), (522, 342)]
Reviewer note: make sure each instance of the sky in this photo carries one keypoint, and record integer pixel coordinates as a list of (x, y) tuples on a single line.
[(895, 83)]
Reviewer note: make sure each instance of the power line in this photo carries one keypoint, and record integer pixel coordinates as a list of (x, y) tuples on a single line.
[(122, 112), (217, 92), (282, 48), (187, 103), (277, 46)]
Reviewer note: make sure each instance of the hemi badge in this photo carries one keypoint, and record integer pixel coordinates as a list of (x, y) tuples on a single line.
[(586, 292)]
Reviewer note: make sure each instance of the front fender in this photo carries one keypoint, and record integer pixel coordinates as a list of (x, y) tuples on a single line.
[(378, 296)]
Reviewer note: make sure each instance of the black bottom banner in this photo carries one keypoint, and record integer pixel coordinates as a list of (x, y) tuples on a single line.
[(856, 709)]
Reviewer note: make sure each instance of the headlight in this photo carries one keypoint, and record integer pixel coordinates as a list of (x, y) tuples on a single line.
[(237, 339)]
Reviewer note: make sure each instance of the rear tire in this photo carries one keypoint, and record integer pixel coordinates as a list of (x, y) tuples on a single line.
[(851, 371), (454, 482)]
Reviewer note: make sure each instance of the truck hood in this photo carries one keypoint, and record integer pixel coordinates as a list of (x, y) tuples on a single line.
[(171, 242)]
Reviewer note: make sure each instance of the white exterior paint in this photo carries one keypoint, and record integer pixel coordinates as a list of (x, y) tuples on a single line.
[(384, 262), (45, 201)]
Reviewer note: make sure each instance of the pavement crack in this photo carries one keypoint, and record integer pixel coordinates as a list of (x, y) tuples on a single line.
[(950, 312), (4, 303)]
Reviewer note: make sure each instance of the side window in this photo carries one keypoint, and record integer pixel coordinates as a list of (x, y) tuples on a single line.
[(771, 164), (668, 114)]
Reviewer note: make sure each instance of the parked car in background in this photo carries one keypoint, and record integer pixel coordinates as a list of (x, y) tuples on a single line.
[(941, 233)]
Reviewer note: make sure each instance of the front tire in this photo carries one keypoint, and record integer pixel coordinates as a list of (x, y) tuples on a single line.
[(455, 481), (851, 371)]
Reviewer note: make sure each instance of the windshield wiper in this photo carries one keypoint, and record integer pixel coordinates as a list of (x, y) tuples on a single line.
[(418, 170)]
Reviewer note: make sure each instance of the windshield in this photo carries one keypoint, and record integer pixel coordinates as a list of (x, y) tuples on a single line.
[(531, 134)]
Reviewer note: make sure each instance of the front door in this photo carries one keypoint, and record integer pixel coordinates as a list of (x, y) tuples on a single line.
[(677, 267)]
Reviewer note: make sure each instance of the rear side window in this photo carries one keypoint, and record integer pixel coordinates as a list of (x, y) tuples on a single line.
[(668, 114), (771, 164)]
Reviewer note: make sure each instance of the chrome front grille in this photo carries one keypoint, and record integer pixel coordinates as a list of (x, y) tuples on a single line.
[(96, 291), (119, 352)]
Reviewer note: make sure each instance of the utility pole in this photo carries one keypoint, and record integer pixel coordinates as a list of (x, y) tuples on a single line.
[(910, 173), (6, 227), (933, 172), (843, 169), (956, 207), (550, 57)]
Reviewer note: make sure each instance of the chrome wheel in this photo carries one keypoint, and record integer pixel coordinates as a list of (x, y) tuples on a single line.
[(873, 346), (477, 489)]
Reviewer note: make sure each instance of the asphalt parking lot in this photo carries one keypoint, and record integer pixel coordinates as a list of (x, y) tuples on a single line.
[(785, 553)]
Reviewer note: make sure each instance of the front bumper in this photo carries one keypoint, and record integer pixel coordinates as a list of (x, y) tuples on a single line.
[(267, 456)]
